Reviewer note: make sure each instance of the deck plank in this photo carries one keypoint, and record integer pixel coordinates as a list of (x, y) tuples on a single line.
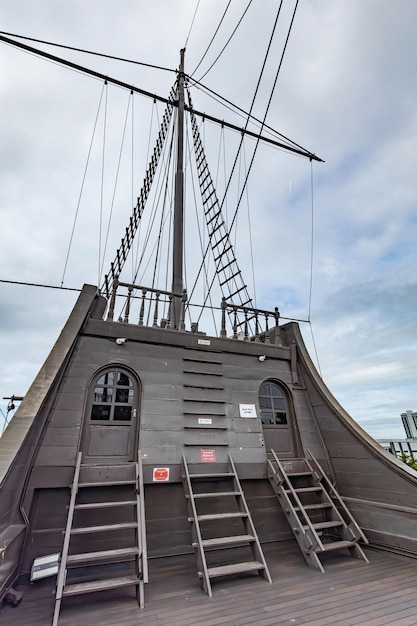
[(350, 592)]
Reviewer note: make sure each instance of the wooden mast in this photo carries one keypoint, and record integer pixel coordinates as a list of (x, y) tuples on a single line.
[(178, 239)]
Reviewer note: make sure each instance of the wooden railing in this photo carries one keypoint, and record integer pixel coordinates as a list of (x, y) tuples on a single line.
[(248, 323), (144, 309), (146, 306)]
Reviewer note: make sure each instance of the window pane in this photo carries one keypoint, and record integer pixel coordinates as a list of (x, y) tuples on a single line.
[(265, 403), (122, 413), (276, 392), (279, 403), (123, 380), (280, 418), (100, 412), (103, 394), (107, 379), (265, 390), (124, 395), (267, 418)]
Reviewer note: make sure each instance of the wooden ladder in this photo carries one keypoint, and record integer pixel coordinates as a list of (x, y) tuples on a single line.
[(223, 535), (316, 513), (86, 501)]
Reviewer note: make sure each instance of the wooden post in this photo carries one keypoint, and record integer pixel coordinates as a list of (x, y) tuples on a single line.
[(223, 323)]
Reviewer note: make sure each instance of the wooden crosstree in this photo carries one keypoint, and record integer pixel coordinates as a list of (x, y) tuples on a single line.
[(223, 535), (125, 524), (315, 511)]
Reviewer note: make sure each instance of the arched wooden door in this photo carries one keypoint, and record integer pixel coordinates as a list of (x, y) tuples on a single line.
[(111, 422), (276, 420)]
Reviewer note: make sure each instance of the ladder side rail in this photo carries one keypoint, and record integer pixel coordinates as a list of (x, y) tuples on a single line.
[(196, 528), (322, 477), (290, 511), (306, 519), (62, 572), (139, 561), (238, 487), (215, 222), (144, 547), (140, 590)]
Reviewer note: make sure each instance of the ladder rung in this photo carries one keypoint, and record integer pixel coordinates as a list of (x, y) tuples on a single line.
[(235, 568), (230, 277), (305, 490), (231, 295), (100, 505), (213, 476), (338, 545), (214, 516), (100, 585), (205, 200), (225, 251), (217, 243), (330, 524), (213, 217), (216, 494), (110, 555), (320, 505), (222, 542), (298, 474), (110, 483), (105, 528)]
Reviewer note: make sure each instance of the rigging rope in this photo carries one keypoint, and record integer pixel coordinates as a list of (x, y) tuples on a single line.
[(82, 187), (268, 105), (26, 284), (115, 185), (98, 54), (314, 345), (250, 234), (246, 124), (242, 113), (212, 39), (311, 241), (192, 23), (123, 251), (228, 41), (162, 174), (102, 184), (132, 178)]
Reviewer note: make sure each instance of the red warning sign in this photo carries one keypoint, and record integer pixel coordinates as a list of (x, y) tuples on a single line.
[(160, 474), (207, 456)]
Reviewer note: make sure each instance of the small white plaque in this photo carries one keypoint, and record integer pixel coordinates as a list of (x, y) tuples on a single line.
[(44, 566), (247, 410), (203, 342), (205, 420)]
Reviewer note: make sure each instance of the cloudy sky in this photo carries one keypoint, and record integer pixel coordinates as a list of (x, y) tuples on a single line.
[(346, 91)]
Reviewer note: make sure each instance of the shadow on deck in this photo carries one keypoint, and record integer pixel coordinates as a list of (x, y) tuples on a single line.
[(350, 592)]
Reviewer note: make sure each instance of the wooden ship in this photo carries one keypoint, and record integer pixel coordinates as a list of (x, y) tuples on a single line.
[(153, 458)]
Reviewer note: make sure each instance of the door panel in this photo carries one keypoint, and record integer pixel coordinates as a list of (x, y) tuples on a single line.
[(111, 424), (276, 420)]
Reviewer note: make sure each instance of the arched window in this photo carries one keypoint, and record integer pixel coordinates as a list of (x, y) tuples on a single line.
[(113, 397), (272, 404)]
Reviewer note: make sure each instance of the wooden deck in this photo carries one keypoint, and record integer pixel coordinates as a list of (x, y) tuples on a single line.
[(350, 592)]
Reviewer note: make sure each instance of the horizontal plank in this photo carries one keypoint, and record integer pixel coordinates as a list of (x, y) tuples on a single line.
[(235, 568), (222, 542), (100, 585), (104, 528), (107, 555)]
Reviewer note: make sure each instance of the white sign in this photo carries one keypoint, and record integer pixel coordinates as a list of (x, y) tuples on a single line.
[(247, 410), (205, 420), (203, 342)]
